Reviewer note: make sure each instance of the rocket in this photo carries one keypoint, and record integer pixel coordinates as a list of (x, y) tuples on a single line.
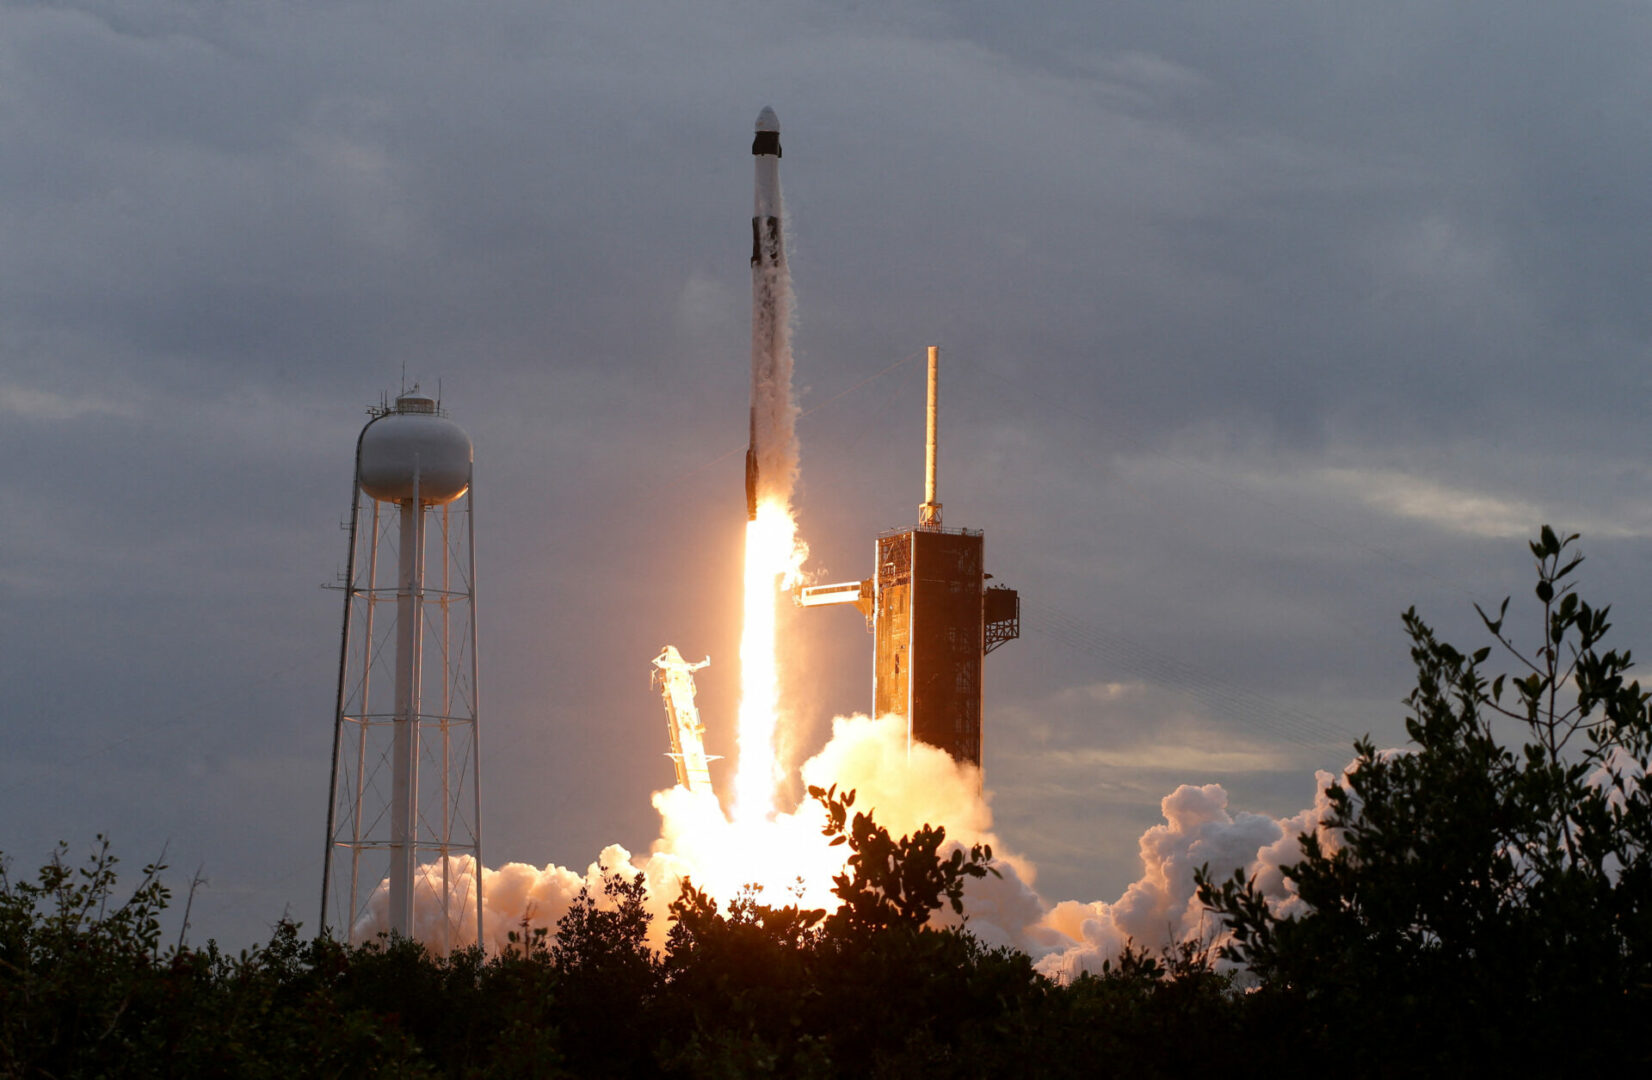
[(770, 351)]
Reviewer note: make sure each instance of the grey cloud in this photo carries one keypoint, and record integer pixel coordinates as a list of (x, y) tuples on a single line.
[(1220, 288)]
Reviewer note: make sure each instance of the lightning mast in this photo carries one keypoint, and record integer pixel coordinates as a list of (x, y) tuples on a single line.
[(932, 615)]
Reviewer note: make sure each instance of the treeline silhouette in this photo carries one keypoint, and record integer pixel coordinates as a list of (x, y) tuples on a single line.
[(1473, 903)]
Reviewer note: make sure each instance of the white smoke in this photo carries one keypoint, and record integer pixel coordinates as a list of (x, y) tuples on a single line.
[(903, 790), (787, 853), (517, 897), (1160, 907)]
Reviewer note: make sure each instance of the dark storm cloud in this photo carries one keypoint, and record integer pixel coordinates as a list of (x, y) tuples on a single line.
[(1262, 322)]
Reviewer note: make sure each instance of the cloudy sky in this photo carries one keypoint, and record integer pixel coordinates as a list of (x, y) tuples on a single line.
[(1262, 321)]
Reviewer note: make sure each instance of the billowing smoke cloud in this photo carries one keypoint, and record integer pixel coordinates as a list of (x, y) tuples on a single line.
[(1160, 907), (786, 854), (788, 857)]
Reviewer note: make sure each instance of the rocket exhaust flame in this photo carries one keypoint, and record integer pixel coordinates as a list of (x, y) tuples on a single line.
[(773, 560), (908, 784)]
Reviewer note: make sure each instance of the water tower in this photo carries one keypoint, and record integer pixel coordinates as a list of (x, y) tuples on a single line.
[(405, 801)]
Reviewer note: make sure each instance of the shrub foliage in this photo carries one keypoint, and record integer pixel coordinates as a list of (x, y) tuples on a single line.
[(1483, 897)]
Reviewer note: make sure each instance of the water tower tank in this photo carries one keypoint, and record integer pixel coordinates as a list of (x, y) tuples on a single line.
[(415, 441)]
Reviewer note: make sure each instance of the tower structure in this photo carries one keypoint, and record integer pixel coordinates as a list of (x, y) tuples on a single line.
[(405, 797), (933, 617), (674, 678)]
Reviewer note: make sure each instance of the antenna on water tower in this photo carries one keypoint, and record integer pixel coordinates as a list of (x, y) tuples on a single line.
[(404, 813)]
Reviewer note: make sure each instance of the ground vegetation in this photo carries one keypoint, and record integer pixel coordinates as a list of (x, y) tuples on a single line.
[(1480, 898)]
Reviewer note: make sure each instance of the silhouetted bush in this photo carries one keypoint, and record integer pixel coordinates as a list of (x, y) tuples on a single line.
[(1480, 907)]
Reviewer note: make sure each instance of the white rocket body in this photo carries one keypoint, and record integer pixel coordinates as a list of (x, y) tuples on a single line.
[(771, 456)]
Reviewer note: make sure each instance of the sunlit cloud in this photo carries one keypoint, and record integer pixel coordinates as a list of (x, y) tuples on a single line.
[(1467, 511), (1461, 507), (1454, 509), (1168, 756), (34, 404), (1130, 725)]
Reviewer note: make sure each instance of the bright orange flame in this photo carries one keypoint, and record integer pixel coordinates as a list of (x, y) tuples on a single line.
[(773, 559)]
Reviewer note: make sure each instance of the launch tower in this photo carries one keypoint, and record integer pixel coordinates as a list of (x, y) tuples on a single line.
[(933, 617), (405, 797)]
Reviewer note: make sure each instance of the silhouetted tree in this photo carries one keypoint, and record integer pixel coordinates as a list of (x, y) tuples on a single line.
[(1478, 902), (608, 980), (894, 883), (1475, 902)]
